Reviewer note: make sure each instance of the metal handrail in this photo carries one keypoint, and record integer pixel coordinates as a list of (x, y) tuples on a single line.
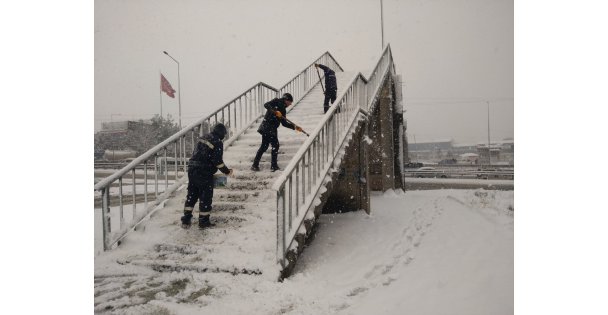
[(303, 177), (385, 63), (238, 115)]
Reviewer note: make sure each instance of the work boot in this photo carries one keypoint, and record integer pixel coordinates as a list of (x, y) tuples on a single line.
[(187, 219), (255, 168), (204, 222), (275, 168)]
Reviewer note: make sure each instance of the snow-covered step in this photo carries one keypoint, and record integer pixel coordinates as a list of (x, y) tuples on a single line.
[(251, 175), (251, 150), (249, 185), (284, 141), (227, 206), (246, 161), (233, 196)]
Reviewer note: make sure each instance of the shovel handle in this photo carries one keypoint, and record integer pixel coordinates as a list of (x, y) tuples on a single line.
[(323, 88)]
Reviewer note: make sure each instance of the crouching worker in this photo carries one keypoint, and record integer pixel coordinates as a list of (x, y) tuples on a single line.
[(205, 161)]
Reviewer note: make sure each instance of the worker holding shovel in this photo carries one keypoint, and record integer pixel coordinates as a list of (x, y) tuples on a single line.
[(275, 115), (331, 87)]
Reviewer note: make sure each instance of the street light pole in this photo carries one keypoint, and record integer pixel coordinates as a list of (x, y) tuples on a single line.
[(382, 24), (113, 140), (416, 145), (489, 150), (179, 90)]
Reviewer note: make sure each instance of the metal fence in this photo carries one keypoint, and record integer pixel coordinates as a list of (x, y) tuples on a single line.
[(300, 182), (453, 172), (169, 160)]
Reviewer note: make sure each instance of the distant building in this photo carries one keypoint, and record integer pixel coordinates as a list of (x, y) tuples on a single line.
[(469, 158), (122, 135), (431, 145), (488, 154), (124, 125), (478, 153), (508, 145), (462, 148)]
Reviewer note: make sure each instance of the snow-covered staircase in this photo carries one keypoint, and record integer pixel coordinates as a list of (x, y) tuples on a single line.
[(263, 218), (244, 239)]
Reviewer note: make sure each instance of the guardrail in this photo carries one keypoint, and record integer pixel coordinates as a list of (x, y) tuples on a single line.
[(459, 173), (302, 179), (237, 115)]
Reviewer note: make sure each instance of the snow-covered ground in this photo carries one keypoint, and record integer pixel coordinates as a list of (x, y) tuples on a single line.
[(420, 252)]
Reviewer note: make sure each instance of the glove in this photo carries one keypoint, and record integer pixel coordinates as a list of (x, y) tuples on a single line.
[(278, 114), (298, 128)]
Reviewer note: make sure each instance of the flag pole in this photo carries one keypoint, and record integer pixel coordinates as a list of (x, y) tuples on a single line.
[(179, 90), (160, 92)]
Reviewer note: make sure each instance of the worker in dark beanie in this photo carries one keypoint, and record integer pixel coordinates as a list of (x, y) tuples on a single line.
[(331, 87), (205, 161), (275, 115)]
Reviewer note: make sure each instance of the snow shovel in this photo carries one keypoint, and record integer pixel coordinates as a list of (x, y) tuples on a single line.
[(304, 132), (320, 80), (291, 122)]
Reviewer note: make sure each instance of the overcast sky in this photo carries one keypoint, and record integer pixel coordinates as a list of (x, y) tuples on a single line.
[(454, 56)]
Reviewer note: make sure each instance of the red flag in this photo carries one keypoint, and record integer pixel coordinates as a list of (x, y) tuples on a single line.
[(165, 86)]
